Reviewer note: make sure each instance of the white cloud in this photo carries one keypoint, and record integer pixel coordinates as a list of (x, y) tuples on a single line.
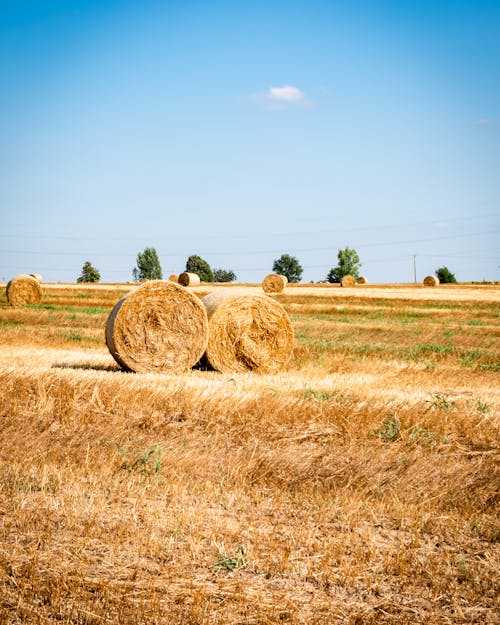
[(278, 98), (483, 121)]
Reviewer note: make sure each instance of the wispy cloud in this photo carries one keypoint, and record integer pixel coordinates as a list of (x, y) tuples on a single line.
[(278, 98), (487, 122)]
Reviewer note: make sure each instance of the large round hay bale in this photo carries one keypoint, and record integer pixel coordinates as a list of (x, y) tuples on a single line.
[(23, 290), (361, 280), (348, 281), (247, 332), (431, 281), (173, 277), (274, 283), (159, 327), (37, 276), (189, 279)]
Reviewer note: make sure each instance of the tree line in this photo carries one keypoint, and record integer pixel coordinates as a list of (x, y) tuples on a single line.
[(148, 267)]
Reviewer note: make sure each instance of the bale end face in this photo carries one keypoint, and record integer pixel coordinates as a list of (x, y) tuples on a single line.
[(361, 280), (431, 281), (189, 279), (22, 290), (348, 281), (274, 283)]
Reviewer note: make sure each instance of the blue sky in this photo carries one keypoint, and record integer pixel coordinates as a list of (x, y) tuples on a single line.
[(241, 131)]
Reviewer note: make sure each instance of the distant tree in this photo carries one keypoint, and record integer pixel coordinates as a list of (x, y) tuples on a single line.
[(89, 273), (445, 276), (224, 275), (349, 265), (196, 264), (288, 266), (148, 265)]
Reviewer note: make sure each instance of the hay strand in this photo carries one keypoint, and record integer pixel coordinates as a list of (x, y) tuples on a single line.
[(247, 332), (158, 327), (23, 290), (37, 277), (274, 283), (348, 281), (189, 279), (361, 280), (173, 277), (431, 281)]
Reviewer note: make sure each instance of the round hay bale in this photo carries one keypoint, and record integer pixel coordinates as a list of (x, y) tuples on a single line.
[(274, 283), (173, 277), (361, 280), (189, 279), (23, 290), (431, 281), (247, 332), (158, 327), (37, 276), (348, 281)]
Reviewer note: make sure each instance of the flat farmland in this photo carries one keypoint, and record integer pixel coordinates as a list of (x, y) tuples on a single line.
[(360, 485)]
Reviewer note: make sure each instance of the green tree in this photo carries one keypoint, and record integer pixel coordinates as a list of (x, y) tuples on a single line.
[(89, 273), (224, 275), (288, 266), (349, 265), (196, 264), (148, 265), (445, 276)]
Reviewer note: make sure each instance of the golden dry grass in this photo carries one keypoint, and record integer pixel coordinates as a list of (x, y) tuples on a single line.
[(358, 486)]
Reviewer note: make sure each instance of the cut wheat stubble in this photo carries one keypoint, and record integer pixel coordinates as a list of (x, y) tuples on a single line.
[(158, 327)]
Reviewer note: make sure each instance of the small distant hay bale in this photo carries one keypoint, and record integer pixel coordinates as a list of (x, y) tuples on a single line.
[(157, 327), (189, 279), (348, 281), (23, 290), (37, 276), (173, 277), (361, 280), (431, 281), (247, 332), (274, 283)]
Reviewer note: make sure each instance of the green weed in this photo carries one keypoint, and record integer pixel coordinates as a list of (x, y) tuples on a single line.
[(230, 563), (147, 463)]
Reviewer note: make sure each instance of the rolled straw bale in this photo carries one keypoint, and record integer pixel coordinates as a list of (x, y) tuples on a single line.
[(189, 279), (247, 332), (37, 276), (173, 277), (158, 327), (23, 290), (274, 283), (431, 281), (348, 281), (361, 280)]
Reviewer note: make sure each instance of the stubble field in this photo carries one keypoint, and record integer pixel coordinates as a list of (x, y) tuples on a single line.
[(358, 486)]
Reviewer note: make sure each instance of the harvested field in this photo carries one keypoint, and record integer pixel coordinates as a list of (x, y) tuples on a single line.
[(356, 486)]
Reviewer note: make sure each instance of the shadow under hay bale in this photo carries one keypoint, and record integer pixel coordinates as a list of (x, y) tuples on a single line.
[(189, 279), (158, 327), (348, 281), (274, 283), (431, 281), (247, 332), (23, 290)]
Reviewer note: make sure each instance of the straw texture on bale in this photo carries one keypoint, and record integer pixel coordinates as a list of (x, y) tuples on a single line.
[(247, 332), (274, 283), (189, 279), (37, 276), (23, 290), (362, 280), (158, 327), (348, 281), (173, 277), (431, 281)]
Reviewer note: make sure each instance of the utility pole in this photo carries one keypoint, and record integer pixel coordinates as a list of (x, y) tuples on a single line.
[(415, 268)]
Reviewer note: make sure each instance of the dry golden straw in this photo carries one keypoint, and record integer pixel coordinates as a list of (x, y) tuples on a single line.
[(274, 283), (362, 280), (173, 277), (247, 332), (431, 281), (23, 290), (348, 281), (189, 279), (158, 327), (37, 276)]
